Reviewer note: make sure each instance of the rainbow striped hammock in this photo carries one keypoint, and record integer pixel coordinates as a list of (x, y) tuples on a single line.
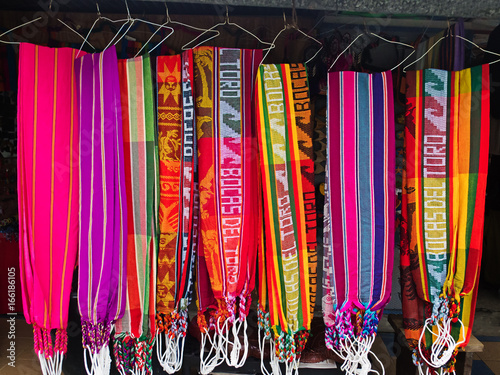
[(359, 212), (229, 206), (287, 259), (135, 331), (48, 194), (103, 206), (446, 140), (178, 220)]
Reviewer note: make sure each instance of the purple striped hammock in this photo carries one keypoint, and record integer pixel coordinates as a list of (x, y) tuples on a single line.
[(359, 212), (103, 208)]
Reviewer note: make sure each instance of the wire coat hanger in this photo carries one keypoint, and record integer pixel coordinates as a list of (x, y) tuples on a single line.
[(380, 37), (170, 21), (133, 20), (76, 32), (292, 26), (19, 26), (226, 22), (69, 27), (36, 19), (15, 28), (24, 24), (428, 50), (460, 37), (99, 18)]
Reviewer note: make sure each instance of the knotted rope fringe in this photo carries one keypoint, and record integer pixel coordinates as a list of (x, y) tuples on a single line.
[(209, 331), (95, 341), (353, 347), (133, 355), (171, 338), (443, 349), (50, 356)]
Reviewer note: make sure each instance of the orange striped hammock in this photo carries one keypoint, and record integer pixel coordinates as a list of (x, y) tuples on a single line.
[(446, 140), (287, 261)]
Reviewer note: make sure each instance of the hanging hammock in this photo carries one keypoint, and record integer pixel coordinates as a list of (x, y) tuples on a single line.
[(359, 212), (223, 82), (135, 331), (446, 140), (48, 194), (103, 206), (179, 205), (285, 147)]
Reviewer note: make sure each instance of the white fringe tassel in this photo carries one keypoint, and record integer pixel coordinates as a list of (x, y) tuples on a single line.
[(100, 362), (51, 365)]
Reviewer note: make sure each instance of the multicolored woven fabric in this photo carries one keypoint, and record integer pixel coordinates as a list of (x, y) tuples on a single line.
[(170, 150), (446, 139), (190, 196), (285, 147), (229, 206), (179, 200), (359, 205), (138, 327), (305, 132), (103, 201), (48, 191)]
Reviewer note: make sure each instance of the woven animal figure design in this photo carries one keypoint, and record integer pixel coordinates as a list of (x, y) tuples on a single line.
[(178, 220)]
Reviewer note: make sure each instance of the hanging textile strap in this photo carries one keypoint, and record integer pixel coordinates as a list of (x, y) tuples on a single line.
[(447, 111), (48, 167), (189, 241), (180, 211), (170, 143), (103, 206), (228, 197), (359, 226), (305, 132), (138, 323), (286, 237)]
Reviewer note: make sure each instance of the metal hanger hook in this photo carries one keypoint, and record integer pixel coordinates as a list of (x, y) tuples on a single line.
[(226, 19), (166, 12), (98, 10), (128, 10), (50, 5)]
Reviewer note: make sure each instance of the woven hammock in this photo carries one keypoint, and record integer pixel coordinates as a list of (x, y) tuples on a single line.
[(135, 331), (103, 206), (178, 205), (446, 141), (229, 206), (48, 194), (359, 212), (287, 265)]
